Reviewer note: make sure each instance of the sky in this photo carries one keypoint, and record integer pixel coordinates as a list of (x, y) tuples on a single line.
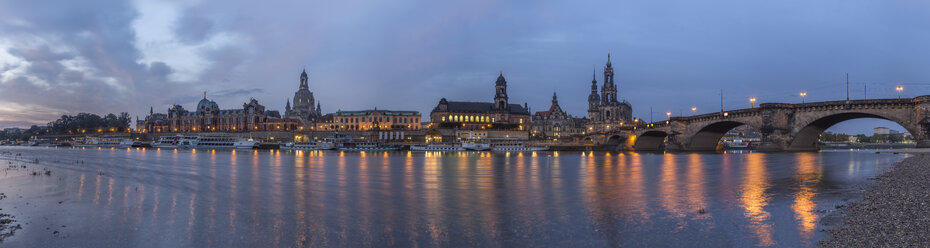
[(102, 56)]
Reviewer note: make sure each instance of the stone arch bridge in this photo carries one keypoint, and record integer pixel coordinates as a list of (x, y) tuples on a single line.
[(784, 127)]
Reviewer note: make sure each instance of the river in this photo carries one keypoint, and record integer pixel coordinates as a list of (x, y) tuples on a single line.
[(218, 198)]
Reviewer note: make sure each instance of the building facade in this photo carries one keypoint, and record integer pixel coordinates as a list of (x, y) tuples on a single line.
[(554, 123), (153, 123), (303, 102), (499, 114), (373, 120), (208, 117), (604, 110)]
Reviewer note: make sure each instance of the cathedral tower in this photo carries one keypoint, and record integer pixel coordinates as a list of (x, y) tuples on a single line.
[(500, 97)]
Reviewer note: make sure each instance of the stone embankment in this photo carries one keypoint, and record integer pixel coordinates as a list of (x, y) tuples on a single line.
[(895, 212)]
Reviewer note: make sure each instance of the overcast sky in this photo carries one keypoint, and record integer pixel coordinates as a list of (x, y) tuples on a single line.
[(100, 56)]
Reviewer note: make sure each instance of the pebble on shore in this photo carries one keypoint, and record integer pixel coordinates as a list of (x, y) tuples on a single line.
[(895, 212), (7, 227)]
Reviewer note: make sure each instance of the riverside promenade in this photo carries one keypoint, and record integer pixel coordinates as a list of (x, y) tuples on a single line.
[(895, 212)]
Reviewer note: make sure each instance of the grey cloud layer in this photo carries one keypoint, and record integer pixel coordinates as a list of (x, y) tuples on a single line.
[(407, 55)]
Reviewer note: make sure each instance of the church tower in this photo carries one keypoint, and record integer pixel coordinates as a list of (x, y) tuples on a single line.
[(593, 98), (304, 80), (500, 97), (609, 91), (303, 101)]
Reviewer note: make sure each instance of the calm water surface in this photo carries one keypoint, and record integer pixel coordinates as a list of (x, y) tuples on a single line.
[(205, 198)]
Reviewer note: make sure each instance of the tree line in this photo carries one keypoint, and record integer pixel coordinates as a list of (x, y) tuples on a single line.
[(90, 123), (82, 123)]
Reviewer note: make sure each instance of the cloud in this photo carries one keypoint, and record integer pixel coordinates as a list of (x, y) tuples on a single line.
[(112, 56)]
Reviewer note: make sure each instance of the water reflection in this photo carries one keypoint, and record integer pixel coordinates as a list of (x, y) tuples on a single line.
[(808, 177), (754, 199), (311, 199)]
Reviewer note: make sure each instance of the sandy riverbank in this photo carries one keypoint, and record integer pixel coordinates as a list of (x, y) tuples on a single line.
[(895, 212)]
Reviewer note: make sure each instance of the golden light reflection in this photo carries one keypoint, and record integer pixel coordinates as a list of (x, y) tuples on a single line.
[(695, 188), (754, 199), (669, 190), (808, 176)]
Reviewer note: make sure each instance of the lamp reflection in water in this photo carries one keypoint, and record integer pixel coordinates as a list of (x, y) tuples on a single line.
[(669, 190), (753, 198), (233, 189), (808, 176), (695, 188)]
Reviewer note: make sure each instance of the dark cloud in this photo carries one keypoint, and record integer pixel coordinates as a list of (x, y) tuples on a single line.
[(237, 92), (193, 26), (406, 55)]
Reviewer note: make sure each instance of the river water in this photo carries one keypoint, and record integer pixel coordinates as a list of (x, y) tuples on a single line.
[(216, 198)]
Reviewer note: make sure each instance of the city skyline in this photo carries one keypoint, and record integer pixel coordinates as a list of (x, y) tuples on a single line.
[(114, 57)]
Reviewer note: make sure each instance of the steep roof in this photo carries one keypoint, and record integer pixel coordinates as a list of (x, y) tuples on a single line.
[(482, 107)]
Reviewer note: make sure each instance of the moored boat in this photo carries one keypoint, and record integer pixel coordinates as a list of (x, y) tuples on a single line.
[(516, 147), (737, 145), (308, 146), (85, 142), (475, 146), (224, 142), (367, 146), (437, 148)]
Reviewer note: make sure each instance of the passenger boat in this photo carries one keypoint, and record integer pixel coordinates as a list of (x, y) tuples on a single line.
[(737, 145), (86, 142), (177, 141), (367, 146), (224, 142), (437, 148), (308, 146), (516, 147), (475, 146), (130, 143)]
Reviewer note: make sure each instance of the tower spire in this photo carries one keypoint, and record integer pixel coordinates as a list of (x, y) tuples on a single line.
[(608, 59), (205, 95)]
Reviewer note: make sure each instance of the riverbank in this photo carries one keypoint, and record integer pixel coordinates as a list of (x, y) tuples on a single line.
[(8, 225), (892, 213)]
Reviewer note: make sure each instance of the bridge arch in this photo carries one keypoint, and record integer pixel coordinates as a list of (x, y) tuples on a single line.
[(650, 141), (707, 137), (808, 134), (613, 140), (589, 141)]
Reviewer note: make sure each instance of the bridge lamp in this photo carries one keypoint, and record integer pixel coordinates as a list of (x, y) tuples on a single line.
[(668, 114), (752, 102), (803, 94), (899, 89), (692, 111)]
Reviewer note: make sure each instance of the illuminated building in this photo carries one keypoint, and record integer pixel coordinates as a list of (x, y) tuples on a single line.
[(208, 117), (303, 102), (498, 115), (554, 123), (376, 119), (605, 111)]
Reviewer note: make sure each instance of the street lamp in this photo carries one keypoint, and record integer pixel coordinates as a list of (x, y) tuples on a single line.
[(692, 111), (803, 94), (752, 102), (668, 114), (899, 89)]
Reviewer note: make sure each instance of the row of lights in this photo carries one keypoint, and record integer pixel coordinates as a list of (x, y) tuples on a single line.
[(752, 101)]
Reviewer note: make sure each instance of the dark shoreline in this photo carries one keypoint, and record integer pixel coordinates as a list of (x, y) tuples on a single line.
[(8, 224), (894, 212)]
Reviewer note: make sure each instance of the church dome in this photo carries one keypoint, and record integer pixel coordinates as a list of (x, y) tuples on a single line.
[(207, 106)]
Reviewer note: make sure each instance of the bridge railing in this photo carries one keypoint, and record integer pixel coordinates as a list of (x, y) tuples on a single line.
[(826, 105)]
